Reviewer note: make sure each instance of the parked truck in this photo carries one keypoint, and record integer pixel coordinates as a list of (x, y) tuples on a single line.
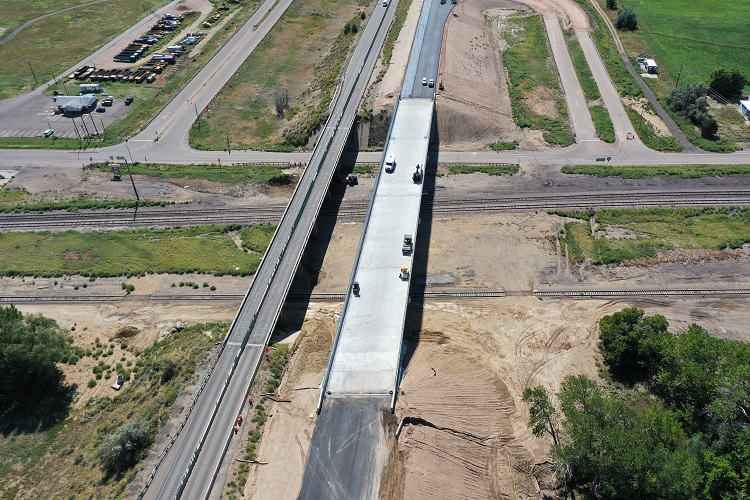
[(408, 245), (90, 88)]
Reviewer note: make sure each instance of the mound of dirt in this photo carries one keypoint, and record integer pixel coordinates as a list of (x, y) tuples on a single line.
[(126, 332)]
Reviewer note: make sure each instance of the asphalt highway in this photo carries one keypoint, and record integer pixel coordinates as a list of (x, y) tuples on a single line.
[(196, 457), (348, 450)]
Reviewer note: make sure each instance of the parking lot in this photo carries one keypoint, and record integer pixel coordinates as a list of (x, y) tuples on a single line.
[(25, 122)]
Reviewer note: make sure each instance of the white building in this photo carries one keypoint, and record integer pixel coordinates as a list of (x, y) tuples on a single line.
[(744, 108), (649, 66)]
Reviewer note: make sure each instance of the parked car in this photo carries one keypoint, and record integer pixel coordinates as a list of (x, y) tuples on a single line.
[(100, 109), (108, 101), (424, 81), (48, 133), (128, 101), (431, 83)]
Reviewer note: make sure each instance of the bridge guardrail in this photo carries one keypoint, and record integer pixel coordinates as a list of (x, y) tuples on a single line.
[(186, 476), (337, 335)]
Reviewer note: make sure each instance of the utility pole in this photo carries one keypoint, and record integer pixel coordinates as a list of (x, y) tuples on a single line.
[(129, 153), (85, 128), (137, 198), (197, 116), (229, 149), (104, 129), (93, 123), (75, 127), (32, 72), (679, 75)]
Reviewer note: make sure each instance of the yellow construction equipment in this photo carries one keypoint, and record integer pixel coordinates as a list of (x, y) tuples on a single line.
[(404, 274)]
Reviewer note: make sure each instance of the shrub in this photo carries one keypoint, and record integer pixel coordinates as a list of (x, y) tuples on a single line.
[(168, 368), (626, 20), (123, 448)]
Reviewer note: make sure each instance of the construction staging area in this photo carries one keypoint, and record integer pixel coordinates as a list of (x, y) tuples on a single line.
[(417, 301)]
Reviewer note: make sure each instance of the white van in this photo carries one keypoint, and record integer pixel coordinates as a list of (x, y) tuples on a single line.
[(390, 163)]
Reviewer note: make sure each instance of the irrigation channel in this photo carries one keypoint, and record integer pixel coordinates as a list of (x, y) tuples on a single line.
[(270, 214)]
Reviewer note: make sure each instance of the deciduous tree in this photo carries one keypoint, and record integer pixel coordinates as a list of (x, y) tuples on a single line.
[(30, 347), (626, 20), (727, 82), (542, 413)]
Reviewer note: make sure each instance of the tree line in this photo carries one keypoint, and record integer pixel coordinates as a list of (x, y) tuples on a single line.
[(673, 422)]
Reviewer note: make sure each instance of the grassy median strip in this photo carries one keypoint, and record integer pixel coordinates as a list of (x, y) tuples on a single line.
[(201, 249), (531, 70), (641, 172), (585, 77), (648, 230), (227, 174), (485, 169), (602, 123), (623, 80), (280, 95)]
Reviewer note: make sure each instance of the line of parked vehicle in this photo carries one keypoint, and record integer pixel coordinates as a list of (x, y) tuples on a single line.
[(139, 46)]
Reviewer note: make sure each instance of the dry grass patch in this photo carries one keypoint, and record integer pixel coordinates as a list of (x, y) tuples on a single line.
[(294, 57), (56, 43)]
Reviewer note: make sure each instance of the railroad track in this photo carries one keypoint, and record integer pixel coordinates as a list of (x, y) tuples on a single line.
[(292, 297), (665, 292), (166, 217)]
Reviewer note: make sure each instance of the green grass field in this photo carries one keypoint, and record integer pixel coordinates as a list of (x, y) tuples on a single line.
[(701, 35), (20, 200), (14, 13), (715, 228), (529, 62), (641, 172), (227, 174), (485, 169), (204, 249)]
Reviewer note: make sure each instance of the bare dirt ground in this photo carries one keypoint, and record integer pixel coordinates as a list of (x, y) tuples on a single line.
[(640, 106), (474, 108), (73, 182), (470, 361)]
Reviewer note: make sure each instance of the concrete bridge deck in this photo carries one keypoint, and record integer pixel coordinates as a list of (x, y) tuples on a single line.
[(366, 359)]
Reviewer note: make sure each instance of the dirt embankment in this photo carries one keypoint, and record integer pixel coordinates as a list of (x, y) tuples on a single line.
[(288, 432)]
